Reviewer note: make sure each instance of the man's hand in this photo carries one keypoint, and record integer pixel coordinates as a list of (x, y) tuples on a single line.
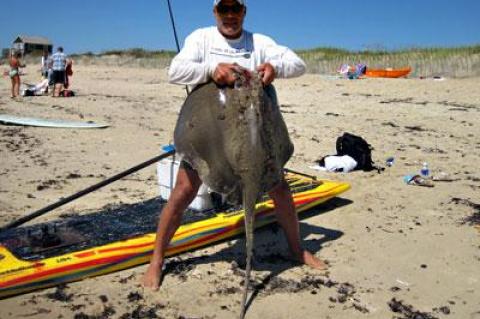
[(267, 73), (226, 73)]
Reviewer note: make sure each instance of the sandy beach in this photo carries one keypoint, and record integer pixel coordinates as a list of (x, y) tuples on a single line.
[(395, 250)]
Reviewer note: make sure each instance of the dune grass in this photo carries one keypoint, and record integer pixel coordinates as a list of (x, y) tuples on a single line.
[(135, 57), (427, 62)]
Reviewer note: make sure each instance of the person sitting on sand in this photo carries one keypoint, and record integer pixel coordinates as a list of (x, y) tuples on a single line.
[(40, 88), (214, 54), (15, 65)]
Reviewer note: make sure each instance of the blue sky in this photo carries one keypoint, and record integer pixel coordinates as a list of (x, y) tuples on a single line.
[(98, 25)]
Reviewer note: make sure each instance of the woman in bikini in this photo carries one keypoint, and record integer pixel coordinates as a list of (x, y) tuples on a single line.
[(15, 65)]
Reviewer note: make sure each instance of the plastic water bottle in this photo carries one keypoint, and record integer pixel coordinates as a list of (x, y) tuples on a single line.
[(425, 171), (390, 161)]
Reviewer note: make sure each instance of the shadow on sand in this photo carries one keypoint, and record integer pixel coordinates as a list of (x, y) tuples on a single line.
[(269, 242)]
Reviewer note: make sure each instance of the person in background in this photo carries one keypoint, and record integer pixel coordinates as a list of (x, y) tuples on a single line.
[(214, 54), (44, 65), (58, 64), (45, 69), (68, 73), (15, 65)]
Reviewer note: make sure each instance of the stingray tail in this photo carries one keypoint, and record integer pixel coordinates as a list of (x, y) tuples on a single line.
[(249, 200)]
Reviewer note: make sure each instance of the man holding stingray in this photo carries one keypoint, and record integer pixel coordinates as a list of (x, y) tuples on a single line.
[(220, 53)]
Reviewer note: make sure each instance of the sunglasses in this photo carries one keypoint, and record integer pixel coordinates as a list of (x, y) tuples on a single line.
[(223, 9)]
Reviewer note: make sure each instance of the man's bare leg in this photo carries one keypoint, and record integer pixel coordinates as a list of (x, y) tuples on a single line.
[(58, 87), (288, 219), (182, 195)]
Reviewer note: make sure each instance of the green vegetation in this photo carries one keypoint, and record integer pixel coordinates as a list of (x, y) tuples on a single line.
[(450, 62), (135, 57), (137, 53)]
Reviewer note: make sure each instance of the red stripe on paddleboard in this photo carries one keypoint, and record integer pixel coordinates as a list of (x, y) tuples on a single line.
[(109, 250), (85, 254)]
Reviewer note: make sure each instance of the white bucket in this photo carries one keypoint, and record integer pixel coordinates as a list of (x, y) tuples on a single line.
[(167, 170)]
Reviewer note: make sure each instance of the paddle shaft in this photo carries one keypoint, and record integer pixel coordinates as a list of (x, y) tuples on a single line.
[(87, 190), (299, 173)]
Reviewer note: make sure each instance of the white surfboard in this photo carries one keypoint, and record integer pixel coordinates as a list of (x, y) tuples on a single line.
[(31, 121)]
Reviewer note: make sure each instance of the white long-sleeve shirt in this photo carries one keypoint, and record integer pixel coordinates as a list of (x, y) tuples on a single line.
[(205, 48)]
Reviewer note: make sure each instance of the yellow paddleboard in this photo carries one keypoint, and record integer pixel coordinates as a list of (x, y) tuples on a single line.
[(49, 254)]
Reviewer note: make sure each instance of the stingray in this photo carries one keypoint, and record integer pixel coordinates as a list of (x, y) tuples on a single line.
[(236, 139)]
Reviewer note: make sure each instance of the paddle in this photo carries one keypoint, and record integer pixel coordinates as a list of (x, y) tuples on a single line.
[(169, 150)]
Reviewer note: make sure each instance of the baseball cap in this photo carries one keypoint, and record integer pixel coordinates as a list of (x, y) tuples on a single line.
[(242, 2)]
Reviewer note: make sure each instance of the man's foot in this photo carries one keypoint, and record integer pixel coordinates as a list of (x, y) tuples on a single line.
[(151, 278), (310, 260)]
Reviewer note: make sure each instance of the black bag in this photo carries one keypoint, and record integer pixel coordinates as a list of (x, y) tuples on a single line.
[(357, 148), (29, 92)]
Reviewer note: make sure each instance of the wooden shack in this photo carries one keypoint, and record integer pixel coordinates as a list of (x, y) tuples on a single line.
[(32, 45)]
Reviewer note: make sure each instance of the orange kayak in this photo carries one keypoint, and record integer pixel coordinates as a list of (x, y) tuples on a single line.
[(387, 73)]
